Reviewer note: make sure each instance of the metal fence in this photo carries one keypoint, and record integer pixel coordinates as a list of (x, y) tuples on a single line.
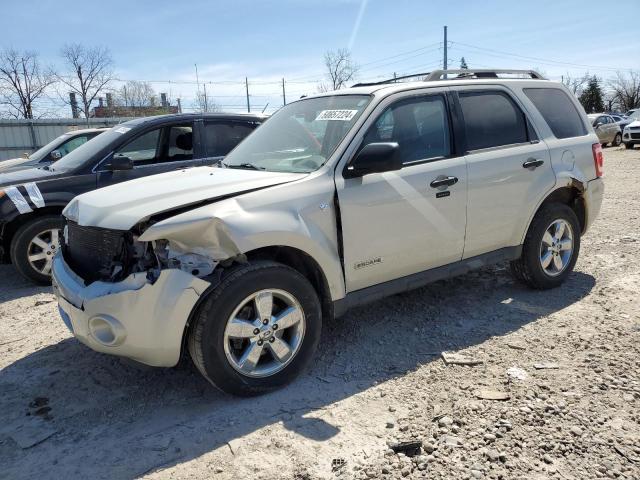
[(18, 137)]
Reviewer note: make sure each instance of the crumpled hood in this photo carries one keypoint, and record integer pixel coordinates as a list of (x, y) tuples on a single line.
[(121, 206), (635, 123)]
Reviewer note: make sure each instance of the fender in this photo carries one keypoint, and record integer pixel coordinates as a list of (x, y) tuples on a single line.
[(237, 226), (563, 180)]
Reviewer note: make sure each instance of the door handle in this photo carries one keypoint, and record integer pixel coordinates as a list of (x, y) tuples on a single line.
[(532, 163), (446, 181)]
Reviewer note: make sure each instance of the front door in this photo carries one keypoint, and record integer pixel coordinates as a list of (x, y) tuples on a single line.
[(161, 149), (398, 223)]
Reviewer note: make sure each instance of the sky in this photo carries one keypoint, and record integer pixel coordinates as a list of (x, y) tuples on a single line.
[(265, 41)]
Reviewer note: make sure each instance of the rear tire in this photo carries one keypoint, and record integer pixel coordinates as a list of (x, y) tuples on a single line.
[(535, 268), (33, 247), (223, 342)]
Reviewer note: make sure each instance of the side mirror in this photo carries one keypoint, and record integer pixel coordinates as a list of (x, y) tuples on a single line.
[(374, 158), (55, 155), (118, 163)]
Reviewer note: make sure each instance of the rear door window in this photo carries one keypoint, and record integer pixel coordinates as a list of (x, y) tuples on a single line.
[(558, 110), (221, 138), (179, 143), (492, 119)]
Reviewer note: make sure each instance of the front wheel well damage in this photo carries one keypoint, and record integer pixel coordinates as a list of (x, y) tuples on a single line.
[(10, 228), (289, 256), (572, 197)]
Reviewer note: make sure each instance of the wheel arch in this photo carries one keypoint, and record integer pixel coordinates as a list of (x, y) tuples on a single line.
[(570, 194), (292, 257), (12, 226)]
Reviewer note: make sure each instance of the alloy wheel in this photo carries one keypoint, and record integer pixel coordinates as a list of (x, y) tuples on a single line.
[(42, 249), (556, 248), (264, 333)]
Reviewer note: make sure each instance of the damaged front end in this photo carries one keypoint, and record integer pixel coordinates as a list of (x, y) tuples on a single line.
[(126, 297), (97, 254)]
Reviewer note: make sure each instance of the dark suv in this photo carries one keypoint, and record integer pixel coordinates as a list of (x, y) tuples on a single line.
[(31, 200)]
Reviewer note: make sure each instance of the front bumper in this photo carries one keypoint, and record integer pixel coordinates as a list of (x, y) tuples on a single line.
[(629, 136), (593, 200), (133, 318)]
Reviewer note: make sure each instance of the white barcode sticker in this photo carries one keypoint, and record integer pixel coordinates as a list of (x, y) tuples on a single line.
[(342, 115)]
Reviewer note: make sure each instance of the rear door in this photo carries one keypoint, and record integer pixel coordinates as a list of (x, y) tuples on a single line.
[(509, 168), (221, 136), (396, 223), (156, 150)]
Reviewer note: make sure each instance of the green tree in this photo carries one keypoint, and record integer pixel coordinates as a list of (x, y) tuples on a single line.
[(591, 97), (463, 64)]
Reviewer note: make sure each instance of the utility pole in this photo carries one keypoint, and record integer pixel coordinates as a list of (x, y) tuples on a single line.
[(284, 95), (246, 84), (197, 83), (179, 106), (394, 77), (206, 103), (444, 60)]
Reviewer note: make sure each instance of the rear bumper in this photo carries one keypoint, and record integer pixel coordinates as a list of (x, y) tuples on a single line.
[(593, 200), (133, 318)]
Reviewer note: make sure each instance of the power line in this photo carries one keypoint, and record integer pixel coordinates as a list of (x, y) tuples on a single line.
[(537, 59)]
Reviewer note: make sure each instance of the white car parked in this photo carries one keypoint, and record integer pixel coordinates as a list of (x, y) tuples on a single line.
[(337, 200)]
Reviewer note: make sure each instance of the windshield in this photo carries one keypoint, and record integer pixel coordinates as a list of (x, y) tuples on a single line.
[(84, 152), (42, 152), (301, 136)]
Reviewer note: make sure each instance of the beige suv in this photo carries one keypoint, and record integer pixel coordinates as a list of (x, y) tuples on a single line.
[(337, 200)]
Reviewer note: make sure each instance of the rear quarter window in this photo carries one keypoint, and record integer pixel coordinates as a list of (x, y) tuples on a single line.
[(558, 110)]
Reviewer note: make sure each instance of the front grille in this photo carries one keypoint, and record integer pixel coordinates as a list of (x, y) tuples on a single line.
[(635, 136), (91, 252)]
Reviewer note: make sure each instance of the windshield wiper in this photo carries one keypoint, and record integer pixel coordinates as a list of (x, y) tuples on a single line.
[(248, 166)]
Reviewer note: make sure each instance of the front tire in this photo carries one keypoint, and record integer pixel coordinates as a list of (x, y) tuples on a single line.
[(257, 330), (618, 140), (628, 145), (33, 247), (550, 249)]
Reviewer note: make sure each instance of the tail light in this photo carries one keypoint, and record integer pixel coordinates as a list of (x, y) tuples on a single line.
[(598, 159)]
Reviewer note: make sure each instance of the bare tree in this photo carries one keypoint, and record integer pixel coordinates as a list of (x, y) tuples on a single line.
[(136, 94), (22, 81), (575, 84), (89, 71), (204, 103), (340, 69), (625, 90)]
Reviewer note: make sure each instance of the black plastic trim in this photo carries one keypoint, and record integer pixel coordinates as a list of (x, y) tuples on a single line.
[(417, 280)]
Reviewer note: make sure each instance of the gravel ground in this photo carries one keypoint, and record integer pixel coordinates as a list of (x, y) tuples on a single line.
[(565, 362)]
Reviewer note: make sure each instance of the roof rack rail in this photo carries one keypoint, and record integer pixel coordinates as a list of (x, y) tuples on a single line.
[(391, 80), (479, 73), (460, 74)]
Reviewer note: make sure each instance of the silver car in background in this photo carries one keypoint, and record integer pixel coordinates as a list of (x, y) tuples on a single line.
[(608, 131)]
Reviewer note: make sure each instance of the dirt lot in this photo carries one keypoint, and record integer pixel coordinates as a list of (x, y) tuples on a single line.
[(67, 412)]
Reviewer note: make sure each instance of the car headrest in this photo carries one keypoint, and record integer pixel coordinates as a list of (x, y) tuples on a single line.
[(184, 141)]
